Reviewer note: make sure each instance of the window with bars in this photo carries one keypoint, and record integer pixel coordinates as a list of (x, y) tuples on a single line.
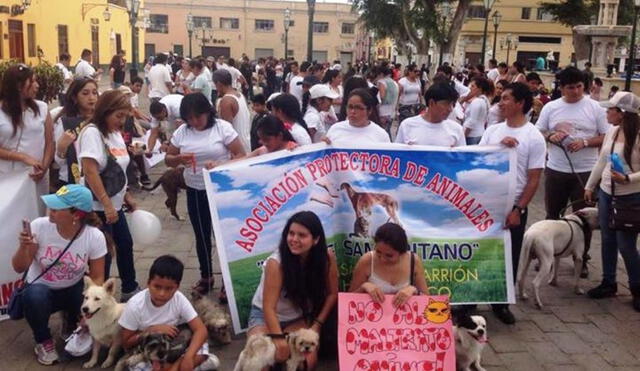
[(526, 13), (204, 22), (229, 23), (31, 39), (542, 15), (63, 39), (476, 11), (264, 24), (159, 23), (348, 28), (320, 27)]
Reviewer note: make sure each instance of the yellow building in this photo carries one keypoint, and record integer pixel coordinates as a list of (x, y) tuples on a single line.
[(46, 28), (252, 27), (532, 33)]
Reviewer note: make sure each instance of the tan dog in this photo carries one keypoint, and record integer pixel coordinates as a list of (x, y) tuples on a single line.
[(258, 353), (301, 343), (214, 316), (101, 312), (363, 203)]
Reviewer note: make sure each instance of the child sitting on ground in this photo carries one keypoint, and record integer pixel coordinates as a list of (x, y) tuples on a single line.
[(160, 309)]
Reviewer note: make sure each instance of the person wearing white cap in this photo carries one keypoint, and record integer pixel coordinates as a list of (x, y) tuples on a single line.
[(624, 184), (321, 97), (55, 252)]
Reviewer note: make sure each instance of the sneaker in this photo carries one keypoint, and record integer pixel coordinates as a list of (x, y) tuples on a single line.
[(604, 290), (46, 352), (211, 363), (505, 315), (125, 296), (144, 179)]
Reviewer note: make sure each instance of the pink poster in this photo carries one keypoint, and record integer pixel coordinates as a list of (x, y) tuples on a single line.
[(414, 337)]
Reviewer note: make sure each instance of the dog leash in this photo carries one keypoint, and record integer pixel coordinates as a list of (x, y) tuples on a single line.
[(573, 170), (582, 226)]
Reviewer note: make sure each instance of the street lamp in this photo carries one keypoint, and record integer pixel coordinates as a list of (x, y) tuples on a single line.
[(510, 43), (106, 14), (133, 7), (446, 9), (632, 51), (496, 22), (488, 4), (207, 35), (287, 23), (190, 31)]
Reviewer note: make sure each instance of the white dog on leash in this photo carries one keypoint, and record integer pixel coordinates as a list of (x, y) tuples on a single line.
[(101, 312), (550, 240)]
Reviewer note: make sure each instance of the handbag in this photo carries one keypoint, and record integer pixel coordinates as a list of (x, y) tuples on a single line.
[(112, 176), (625, 214), (15, 308)]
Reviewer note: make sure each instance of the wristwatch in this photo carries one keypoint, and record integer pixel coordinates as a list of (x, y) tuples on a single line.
[(520, 209), (585, 143)]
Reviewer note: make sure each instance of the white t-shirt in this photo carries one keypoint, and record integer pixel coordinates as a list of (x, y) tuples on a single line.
[(84, 69), (493, 74), (32, 140), (531, 148), (457, 113), (343, 133), (475, 116), (295, 89), (581, 120), (235, 77), (314, 120), (158, 77), (91, 145), (495, 117), (460, 88), (66, 75), (410, 91), (207, 145), (140, 313), (417, 130), (71, 267), (172, 102), (300, 134)]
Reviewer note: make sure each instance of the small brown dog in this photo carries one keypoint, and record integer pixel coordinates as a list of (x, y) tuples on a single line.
[(172, 181), (214, 316)]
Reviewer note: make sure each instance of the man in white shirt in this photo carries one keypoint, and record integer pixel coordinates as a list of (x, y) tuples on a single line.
[(165, 109), (295, 86), (238, 81), (462, 90), (575, 126), (84, 67), (63, 66), (431, 127), (517, 132), (493, 70), (160, 83)]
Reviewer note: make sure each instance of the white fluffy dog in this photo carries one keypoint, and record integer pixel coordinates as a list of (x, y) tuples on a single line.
[(259, 352), (101, 312), (470, 334), (550, 240)]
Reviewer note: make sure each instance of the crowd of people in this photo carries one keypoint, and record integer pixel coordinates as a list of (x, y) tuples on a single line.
[(200, 115)]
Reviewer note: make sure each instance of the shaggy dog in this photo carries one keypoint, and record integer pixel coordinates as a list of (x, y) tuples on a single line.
[(470, 334), (550, 240), (101, 312), (259, 352), (215, 318), (157, 349)]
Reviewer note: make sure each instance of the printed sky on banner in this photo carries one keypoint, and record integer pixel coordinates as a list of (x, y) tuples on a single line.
[(297, 180)]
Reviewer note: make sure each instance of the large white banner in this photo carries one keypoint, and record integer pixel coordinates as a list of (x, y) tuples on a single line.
[(17, 202)]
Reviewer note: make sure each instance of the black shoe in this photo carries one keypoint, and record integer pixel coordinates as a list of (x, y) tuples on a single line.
[(585, 271), (604, 290), (505, 315), (635, 301)]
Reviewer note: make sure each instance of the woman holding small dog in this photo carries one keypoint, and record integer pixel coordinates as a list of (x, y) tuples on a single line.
[(202, 142), (299, 285), (622, 111), (390, 269), (71, 234)]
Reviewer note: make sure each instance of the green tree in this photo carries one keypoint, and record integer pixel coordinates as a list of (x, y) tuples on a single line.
[(417, 22)]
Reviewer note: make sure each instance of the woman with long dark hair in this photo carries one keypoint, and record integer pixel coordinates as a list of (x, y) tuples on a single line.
[(410, 94), (358, 126), (202, 142), (273, 136), (80, 103), (286, 107), (622, 112), (495, 116), (299, 284), (116, 71), (26, 128), (333, 79), (102, 134), (352, 83), (477, 110)]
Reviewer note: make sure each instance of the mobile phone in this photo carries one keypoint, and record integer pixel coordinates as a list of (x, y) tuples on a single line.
[(26, 226)]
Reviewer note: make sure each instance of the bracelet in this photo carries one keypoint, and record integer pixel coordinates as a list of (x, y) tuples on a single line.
[(315, 320)]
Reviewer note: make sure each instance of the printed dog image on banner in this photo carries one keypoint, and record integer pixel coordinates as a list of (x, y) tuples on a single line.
[(451, 201), (374, 336)]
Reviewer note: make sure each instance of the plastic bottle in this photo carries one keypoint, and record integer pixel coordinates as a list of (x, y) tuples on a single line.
[(619, 164)]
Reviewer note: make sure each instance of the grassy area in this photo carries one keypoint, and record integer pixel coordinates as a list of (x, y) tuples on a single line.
[(245, 275), (443, 276)]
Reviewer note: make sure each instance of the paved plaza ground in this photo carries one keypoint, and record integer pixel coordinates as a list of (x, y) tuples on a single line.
[(572, 332)]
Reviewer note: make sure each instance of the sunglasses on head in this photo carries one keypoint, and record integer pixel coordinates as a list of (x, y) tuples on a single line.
[(23, 67)]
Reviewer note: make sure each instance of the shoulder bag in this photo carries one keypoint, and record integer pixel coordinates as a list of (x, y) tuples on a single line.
[(15, 308), (112, 176), (624, 214)]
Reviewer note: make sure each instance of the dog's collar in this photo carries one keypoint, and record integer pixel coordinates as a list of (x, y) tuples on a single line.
[(278, 336), (583, 224)]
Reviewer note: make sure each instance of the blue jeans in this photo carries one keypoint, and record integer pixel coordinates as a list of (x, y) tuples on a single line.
[(124, 251), (200, 217), (40, 301), (612, 241), (472, 140)]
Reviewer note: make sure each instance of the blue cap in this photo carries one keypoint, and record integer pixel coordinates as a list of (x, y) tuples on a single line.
[(68, 196)]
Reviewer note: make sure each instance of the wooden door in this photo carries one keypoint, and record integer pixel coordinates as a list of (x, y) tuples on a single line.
[(16, 42)]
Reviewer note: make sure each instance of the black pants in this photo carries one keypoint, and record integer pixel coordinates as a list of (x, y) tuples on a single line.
[(198, 208), (124, 251)]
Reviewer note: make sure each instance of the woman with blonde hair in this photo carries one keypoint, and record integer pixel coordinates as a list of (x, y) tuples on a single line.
[(102, 151)]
